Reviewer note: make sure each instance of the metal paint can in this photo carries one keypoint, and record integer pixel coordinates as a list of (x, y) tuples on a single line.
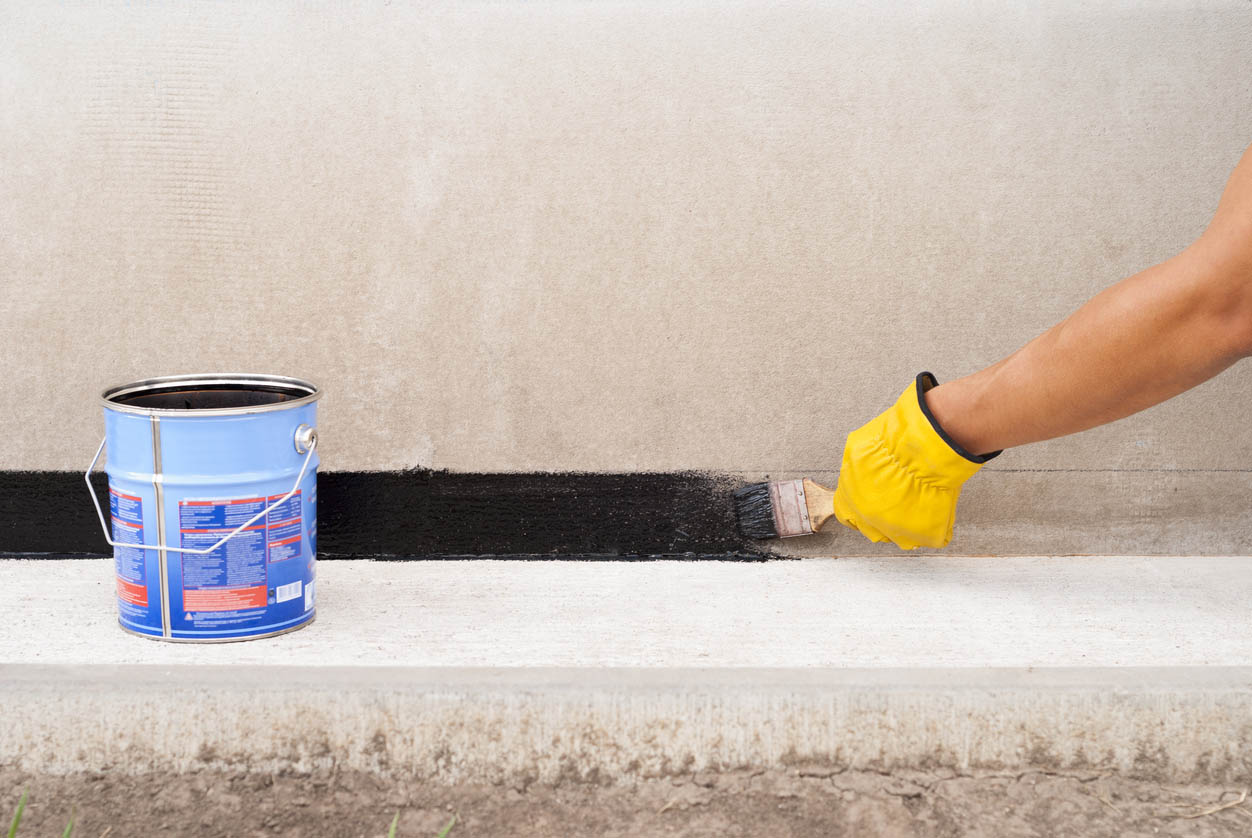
[(213, 504)]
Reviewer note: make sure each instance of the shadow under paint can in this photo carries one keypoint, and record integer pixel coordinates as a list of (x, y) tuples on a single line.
[(213, 504)]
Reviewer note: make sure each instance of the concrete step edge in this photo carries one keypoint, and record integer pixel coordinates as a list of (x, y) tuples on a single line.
[(518, 726)]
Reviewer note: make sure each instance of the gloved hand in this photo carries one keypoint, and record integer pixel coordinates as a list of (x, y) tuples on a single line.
[(902, 474)]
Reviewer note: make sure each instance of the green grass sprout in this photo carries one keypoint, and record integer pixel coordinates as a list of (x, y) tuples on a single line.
[(17, 816)]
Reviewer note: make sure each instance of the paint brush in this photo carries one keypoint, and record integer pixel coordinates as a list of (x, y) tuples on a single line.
[(783, 508)]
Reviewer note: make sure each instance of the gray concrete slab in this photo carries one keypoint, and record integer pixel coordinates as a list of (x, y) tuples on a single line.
[(517, 672), (522, 725), (934, 611)]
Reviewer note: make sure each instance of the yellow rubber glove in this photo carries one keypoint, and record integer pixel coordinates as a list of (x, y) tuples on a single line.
[(902, 474)]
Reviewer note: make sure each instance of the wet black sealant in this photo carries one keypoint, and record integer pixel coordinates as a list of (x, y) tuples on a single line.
[(435, 514)]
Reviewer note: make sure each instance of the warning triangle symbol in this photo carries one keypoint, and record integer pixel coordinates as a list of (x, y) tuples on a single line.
[(187, 616)]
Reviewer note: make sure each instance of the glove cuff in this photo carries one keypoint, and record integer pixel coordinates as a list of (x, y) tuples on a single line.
[(927, 381)]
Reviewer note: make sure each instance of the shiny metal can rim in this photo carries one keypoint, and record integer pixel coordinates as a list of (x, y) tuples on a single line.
[(242, 379)]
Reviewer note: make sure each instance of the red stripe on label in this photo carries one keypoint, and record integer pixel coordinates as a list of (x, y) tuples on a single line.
[(291, 540), (132, 592), (133, 526), (273, 498), (128, 497), (224, 530), (276, 524), (224, 599)]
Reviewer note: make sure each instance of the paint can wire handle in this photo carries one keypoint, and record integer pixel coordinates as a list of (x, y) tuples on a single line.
[(306, 443)]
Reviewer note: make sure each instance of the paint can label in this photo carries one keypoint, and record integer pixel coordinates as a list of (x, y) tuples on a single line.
[(126, 512), (310, 526), (253, 583)]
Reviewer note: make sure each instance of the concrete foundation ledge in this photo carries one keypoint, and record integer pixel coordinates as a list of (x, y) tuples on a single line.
[(549, 725)]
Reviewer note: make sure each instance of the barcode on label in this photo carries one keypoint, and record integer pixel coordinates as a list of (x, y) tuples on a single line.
[(308, 597), (285, 592)]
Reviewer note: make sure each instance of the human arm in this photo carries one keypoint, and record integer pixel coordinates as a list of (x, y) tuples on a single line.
[(1135, 344)]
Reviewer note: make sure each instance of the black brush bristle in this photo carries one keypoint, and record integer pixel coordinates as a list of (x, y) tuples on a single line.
[(755, 511)]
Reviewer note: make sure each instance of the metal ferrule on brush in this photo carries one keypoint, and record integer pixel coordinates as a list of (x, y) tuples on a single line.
[(791, 511)]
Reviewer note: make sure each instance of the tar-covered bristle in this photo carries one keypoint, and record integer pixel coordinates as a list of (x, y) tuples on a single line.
[(755, 511)]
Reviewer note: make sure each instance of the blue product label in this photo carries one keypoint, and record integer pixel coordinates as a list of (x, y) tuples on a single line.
[(126, 512), (283, 527), (311, 524), (247, 585)]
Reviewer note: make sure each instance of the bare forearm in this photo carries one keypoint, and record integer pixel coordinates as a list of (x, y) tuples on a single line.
[(1138, 343), (1144, 340)]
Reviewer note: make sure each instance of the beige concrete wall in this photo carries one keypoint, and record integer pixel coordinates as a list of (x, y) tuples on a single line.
[(618, 236)]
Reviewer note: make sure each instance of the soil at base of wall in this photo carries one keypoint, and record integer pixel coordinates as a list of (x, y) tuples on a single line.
[(797, 802)]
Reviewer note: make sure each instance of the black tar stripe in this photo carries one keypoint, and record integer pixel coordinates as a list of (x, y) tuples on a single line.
[(427, 514)]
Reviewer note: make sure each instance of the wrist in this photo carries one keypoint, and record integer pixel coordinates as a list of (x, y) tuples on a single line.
[(950, 409)]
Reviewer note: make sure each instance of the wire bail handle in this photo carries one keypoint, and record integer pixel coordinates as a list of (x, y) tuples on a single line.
[(306, 443)]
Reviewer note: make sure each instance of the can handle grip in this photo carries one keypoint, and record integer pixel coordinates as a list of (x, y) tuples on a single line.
[(309, 444)]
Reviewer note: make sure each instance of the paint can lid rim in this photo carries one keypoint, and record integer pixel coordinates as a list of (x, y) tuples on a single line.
[(298, 392)]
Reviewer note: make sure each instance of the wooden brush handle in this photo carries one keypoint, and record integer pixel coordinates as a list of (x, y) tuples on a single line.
[(820, 502)]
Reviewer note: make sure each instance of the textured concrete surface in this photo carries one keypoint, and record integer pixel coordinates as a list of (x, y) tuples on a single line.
[(932, 612), (513, 725), (622, 236), (522, 671)]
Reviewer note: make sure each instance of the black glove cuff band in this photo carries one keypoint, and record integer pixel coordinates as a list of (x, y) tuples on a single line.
[(926, 381)]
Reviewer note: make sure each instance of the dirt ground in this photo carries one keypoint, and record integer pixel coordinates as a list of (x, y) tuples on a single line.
[(804, 803)]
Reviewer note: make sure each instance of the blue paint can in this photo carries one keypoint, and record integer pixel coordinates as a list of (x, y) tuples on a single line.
[(212, 504)]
